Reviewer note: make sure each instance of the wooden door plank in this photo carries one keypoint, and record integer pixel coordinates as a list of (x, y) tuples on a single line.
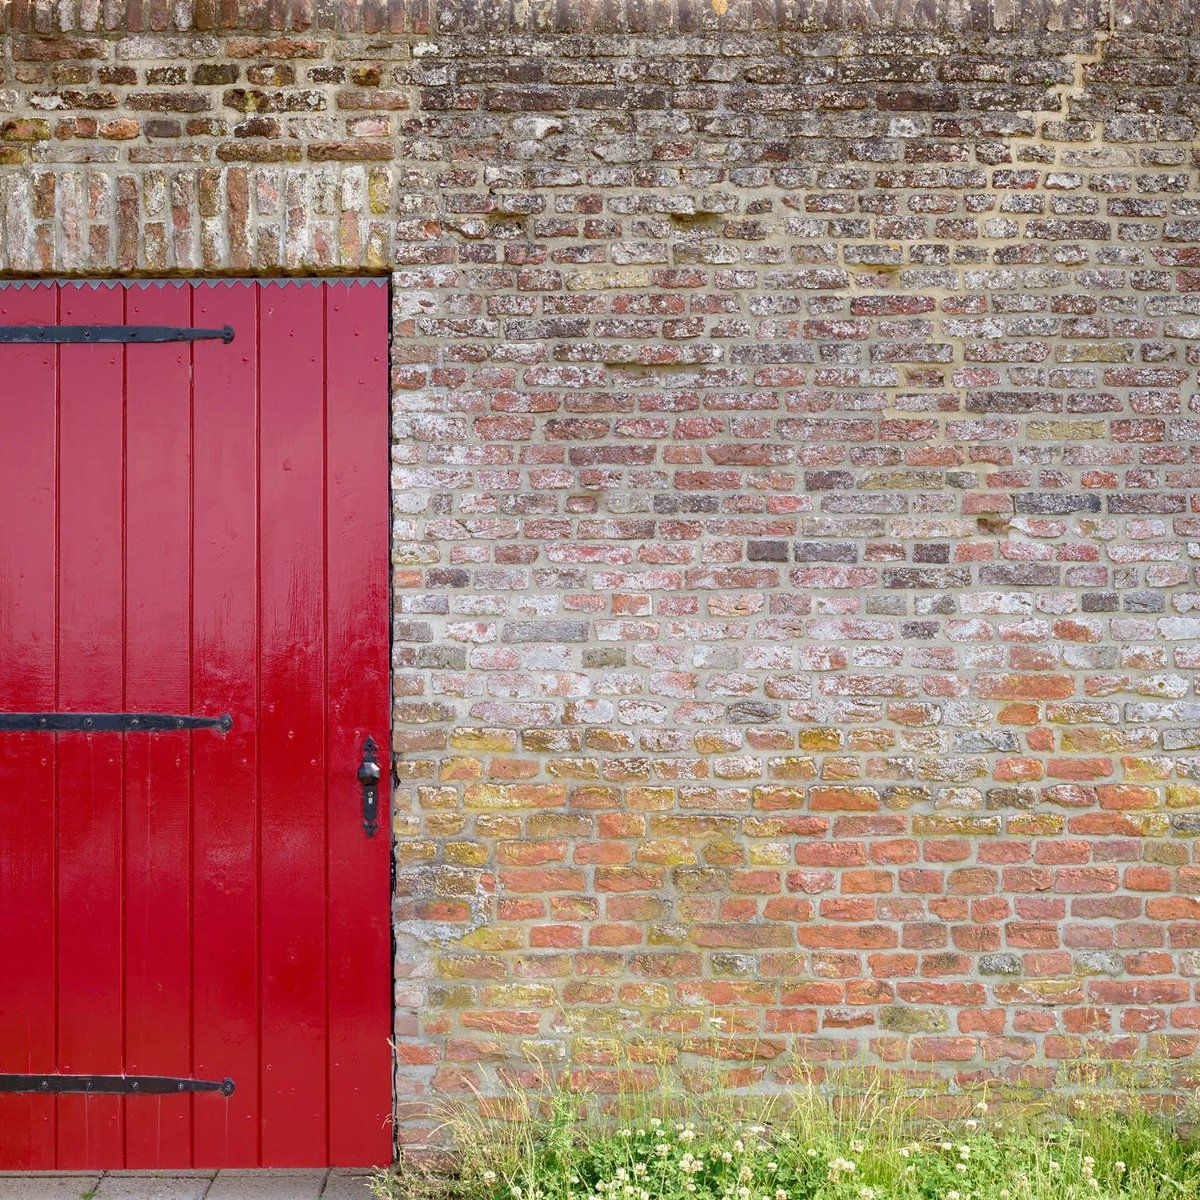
[(27, 678), (225, 770), (91, 633), (357, 705), (292, 728), (157, 884)]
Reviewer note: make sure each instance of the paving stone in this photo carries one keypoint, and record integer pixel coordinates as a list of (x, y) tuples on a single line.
[(346, 1185), (267, 1185), (153, 1187), (48, 1187)]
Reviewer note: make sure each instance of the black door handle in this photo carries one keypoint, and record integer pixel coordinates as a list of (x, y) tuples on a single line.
[(368, 776)]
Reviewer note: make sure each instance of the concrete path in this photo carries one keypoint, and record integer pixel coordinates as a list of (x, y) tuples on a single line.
[(186, 1185)]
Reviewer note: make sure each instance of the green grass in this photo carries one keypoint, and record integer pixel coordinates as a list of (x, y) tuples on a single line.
[(863, 1143)]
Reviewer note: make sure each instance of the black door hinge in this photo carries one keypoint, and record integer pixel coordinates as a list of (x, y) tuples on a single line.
[(66, 722), (68, 334), (112, 1085)]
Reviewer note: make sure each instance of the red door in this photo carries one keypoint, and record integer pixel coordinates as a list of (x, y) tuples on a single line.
[(196, 528)]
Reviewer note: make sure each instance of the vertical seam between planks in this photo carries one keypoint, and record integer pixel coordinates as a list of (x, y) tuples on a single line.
[(191, 741), (57, 358), (258, 939), (122, 851), (325, 765)]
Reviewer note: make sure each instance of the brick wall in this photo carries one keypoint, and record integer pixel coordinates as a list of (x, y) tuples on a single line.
[(796, 497)]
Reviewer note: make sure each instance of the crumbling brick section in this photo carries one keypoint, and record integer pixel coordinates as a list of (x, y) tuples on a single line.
[(796, 499)]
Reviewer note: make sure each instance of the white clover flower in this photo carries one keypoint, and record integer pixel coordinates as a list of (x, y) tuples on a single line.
[(981, 1107), (1119, 1167), (971, 1123), (811, 1152), (961, 1168), (857, 1147), (726, 1156), (687, 1135), (903, 1152), (964, 1152), (489, 1177), (945, 1146), (772, 1166), (953, 1195), (780, 1194), (739, 1146)]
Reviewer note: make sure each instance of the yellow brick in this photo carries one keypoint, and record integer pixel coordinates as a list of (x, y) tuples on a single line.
[(1183, 795), (492, 938), (1066, 431), (518, 995), (770, 854), (665, 850), (466, 854), (412, 852), (573, 768), (820, 739), (600, 279), (1036, 825), (952, 825), (483, 739), (650, 797)]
